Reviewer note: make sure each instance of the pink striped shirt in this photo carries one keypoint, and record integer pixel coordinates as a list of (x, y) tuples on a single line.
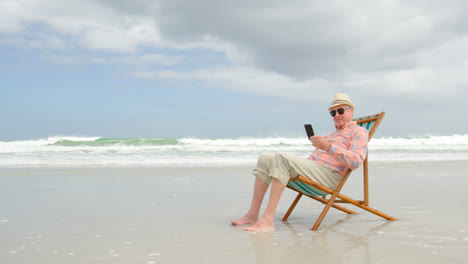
[(348, 148)]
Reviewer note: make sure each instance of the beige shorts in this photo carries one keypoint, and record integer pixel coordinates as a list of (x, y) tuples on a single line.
[(284, 166)]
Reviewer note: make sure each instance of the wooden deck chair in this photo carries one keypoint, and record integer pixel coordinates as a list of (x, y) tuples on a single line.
[(314, 190)]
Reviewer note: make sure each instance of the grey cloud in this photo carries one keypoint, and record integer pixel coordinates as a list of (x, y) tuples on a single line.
[(317, 39), (302, 39), (369, 48)]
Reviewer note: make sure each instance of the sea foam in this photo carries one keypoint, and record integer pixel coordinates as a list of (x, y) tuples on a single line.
[(66, 151)]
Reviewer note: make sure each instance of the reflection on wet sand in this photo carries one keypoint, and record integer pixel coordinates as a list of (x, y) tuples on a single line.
[(307, 245)]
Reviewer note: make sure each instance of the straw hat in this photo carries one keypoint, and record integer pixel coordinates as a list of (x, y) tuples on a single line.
[(340, 99)]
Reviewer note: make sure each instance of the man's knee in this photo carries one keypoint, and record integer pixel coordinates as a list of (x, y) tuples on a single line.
[(282, 156), (265, 158)]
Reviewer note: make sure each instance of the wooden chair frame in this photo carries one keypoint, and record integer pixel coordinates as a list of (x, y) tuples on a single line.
[(332, 201)]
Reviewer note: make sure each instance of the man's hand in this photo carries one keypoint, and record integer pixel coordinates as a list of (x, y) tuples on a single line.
[(320, 143)]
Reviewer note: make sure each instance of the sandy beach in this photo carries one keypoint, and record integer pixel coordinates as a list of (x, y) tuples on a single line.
[(182, 215)]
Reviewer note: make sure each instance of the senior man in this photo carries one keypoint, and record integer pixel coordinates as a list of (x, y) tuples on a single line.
[(334, 155)]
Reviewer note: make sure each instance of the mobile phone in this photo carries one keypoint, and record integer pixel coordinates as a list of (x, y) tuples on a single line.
[(309, 130)]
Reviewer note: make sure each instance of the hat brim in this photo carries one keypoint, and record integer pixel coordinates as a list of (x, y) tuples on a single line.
[(348, 104)]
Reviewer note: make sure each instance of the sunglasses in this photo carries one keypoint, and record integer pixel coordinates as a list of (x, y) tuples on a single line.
[(339, 110)]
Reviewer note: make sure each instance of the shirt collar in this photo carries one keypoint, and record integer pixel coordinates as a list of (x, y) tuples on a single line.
[(347, 125)]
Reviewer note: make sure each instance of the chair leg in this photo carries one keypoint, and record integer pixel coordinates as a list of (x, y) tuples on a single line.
[(334, 205), (291, 208), (367, 208), (325, 210)]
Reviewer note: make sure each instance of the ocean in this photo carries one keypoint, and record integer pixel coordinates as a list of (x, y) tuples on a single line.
[(70, 151)]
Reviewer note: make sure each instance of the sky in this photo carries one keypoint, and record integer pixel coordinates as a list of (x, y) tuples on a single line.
[(216, 69)]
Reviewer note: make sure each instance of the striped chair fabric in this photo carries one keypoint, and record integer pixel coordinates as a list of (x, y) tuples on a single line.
[(366, 124), (311, 191)]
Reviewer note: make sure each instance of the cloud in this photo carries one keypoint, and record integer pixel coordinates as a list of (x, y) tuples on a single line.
[(86, 24), (11, 15), (250, 80), (126, 37), (384, 46), (277, 48)]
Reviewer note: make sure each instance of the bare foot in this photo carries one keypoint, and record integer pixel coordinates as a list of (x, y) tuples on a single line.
[(262, 225), (245, 220)]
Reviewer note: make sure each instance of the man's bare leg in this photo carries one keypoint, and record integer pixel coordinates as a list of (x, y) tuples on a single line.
[(266, 222), (251, 217)]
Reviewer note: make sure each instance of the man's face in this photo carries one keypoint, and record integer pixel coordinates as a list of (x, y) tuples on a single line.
[(341, 119)]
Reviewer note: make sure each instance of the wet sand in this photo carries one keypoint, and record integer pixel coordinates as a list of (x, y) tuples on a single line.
[(182, 215)]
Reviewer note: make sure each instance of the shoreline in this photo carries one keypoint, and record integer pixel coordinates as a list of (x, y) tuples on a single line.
[(204, 167)]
